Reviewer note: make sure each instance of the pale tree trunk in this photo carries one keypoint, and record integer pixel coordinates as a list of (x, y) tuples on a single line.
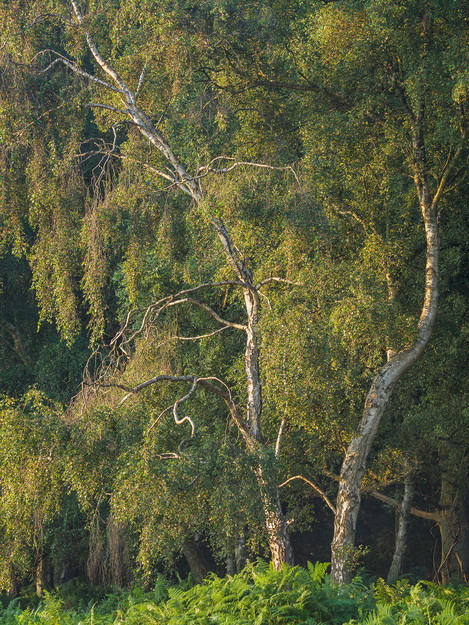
[(277, 530), (178, 176), (382, 387), (379, 395), (276, 526), (401, 534)]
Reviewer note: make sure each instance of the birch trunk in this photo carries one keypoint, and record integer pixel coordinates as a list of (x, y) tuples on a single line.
[(451, 517), (276, 526), (196, 560), (401, 535), (277, 530), (382, 387), (177, 174)]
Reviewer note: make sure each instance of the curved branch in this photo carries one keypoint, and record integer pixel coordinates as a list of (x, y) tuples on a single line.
[(208, 309), (423, 514), (316, 488), (163, 303), (77, 70), (176, 405)]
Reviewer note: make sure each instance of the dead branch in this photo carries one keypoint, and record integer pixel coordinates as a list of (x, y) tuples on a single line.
[(198, 337), (75, 69), (165, 302), (430, 516)]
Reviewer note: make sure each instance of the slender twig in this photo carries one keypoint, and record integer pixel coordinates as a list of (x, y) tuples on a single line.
[(77, 70)]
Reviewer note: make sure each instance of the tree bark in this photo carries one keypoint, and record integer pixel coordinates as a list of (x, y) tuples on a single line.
[(401, 534), (276, 526), (451, 517), (241, 554), (177, 174), (382, 387), (195, 558)]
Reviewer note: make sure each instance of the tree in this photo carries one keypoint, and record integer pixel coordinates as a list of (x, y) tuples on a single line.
[(178, 176)]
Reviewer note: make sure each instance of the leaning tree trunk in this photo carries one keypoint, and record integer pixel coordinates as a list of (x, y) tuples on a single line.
[(382, 387)]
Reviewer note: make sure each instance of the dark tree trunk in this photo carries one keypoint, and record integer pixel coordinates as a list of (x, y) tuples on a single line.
[(197, 563)]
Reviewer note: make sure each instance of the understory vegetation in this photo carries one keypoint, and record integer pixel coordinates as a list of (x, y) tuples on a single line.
[(257, 596)]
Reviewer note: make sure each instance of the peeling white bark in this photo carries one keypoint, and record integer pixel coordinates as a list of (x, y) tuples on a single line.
[(382, 387), (250, 426)]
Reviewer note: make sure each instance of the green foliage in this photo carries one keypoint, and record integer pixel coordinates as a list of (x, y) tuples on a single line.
[(31, 434), (422, 604), (257, 595)]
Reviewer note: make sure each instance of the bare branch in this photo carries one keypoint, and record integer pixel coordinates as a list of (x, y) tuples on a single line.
[(47, 16), (208, 309), (316, 488), (140, 387), (98, 58), (162, 174), (431, 516), (200, 336), (77, 70), (164, 302), (176, 405), (275, 279), (140, 81), (279, 439), (158, 418)]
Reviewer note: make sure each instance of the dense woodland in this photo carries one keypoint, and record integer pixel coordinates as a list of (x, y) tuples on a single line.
[(234, 275)]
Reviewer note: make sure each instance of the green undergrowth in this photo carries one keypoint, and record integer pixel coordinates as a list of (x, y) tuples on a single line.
[(257, 596)]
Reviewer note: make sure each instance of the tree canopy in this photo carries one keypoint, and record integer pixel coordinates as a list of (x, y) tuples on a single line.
[(234, 282)]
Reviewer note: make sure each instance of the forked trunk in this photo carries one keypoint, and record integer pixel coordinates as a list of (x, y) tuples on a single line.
[(178, 176)]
